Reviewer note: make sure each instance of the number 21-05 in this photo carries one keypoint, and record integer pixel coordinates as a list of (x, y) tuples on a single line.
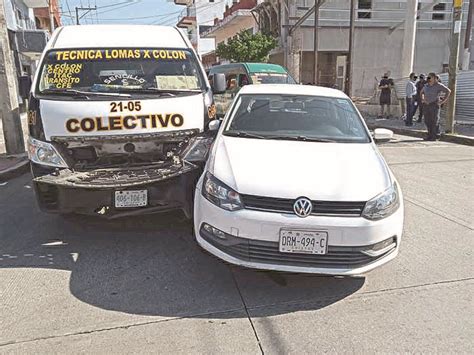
[(125, 106)]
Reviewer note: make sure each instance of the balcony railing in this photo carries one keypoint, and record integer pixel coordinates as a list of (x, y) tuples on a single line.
[(187, 17)]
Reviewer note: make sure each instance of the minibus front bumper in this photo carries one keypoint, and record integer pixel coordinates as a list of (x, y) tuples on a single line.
[(93, 192)]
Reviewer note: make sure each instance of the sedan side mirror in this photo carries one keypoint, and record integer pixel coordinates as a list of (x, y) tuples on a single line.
[(214, 125), (382, 135), (218, 85)]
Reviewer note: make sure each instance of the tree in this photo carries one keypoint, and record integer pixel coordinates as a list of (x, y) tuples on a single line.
[(247, 47)]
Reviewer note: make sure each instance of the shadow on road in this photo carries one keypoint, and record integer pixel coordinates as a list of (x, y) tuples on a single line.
[(149, 265)]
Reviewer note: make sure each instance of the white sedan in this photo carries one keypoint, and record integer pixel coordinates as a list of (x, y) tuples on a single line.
[(295, 182)]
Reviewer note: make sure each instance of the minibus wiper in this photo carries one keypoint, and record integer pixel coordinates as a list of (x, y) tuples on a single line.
[(169, 92), (74, 92)]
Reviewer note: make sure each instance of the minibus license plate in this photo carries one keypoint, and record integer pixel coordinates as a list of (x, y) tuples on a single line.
[(303, 242), (135, 198)]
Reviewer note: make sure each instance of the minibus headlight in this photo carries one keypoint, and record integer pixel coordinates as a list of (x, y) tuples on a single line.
[(44, 153), (220, 194), (383, 205)]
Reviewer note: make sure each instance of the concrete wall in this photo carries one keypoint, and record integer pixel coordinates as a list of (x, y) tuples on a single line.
[(11, 6), (377, 51)]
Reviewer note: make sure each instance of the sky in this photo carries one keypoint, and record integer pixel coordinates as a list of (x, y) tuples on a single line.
[(146, 12)]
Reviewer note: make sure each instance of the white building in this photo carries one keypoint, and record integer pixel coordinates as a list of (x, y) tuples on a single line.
[(378, 39), (197, 17)]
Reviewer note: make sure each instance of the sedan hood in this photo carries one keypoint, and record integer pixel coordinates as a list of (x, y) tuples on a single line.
[(291, 169)]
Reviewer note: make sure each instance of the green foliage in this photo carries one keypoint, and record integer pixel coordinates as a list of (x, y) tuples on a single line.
[(247, 47)]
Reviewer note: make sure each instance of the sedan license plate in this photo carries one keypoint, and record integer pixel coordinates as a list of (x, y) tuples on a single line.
[(135, 198), (303, 242)]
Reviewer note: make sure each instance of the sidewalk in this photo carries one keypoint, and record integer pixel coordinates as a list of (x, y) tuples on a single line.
[(13, 165), (464, 133)]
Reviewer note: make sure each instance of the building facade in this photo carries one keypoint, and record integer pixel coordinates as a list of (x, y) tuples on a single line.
[(27, 36), (197, 17), (378, 39), (236, 18)]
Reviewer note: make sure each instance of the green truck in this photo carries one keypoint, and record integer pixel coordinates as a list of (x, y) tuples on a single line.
[(240, 74)]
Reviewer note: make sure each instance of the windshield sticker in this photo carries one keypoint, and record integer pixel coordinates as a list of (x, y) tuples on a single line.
[(127, 122), (124, 79), (62, 76), (95, 54)]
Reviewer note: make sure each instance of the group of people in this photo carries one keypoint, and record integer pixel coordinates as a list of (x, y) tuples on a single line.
[(425, 94)]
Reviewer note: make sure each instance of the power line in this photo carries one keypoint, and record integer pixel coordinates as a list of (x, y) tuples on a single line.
[(140, 18), (120, 7)]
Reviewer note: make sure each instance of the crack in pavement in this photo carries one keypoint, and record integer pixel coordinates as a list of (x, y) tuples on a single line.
[(247, 311), (438, 213), (431, 162), (360, 295)]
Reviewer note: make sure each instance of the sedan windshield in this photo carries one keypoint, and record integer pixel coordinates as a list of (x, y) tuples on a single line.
[(132, 71), (291, 117)]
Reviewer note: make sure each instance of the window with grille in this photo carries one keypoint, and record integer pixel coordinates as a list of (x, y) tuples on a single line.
[(439, 15), (364, 5)]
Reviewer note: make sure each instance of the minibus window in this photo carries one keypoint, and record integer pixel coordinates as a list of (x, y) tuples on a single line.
[(120, 70)]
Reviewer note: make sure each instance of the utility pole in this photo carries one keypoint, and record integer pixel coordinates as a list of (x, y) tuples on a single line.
[(9, 110), (315, 45), (453, 64), (350, 56), (409, 37), (467, 39), (298, 41), (86, 9), (51, 16)]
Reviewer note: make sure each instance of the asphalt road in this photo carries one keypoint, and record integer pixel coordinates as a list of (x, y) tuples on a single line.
[(141, 285)]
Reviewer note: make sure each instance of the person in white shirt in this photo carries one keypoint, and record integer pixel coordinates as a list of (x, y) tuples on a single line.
[(410, 99)]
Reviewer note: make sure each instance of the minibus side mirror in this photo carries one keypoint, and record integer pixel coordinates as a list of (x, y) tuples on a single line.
[(382, 135), (218, 83), (214, 125)]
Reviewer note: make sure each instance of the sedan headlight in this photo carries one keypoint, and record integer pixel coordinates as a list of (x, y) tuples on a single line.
[(383, 205), (220, 194), (44, 153)]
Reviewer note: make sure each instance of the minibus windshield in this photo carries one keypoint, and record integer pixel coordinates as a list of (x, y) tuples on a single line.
[(118, 70)]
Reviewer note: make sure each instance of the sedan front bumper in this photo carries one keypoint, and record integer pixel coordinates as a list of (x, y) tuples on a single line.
[(251, 239)]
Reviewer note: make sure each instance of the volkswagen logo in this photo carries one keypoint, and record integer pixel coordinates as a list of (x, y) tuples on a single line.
[(303, 207)]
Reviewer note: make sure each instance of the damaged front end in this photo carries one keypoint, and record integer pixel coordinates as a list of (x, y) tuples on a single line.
[(151, 173)]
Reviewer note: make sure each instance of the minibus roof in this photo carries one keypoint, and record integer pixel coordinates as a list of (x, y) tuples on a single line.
[(118, 36)]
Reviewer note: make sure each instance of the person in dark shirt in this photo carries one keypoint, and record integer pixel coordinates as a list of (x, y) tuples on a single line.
[(432, 101), (419, 104), (385, 87)]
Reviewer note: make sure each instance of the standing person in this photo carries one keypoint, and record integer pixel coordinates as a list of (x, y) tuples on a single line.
[(385, 86), (410, 99), (419, 104), (430, 95)]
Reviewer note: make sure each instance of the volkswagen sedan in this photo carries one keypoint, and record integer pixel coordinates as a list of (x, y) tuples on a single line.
[(295, 182)]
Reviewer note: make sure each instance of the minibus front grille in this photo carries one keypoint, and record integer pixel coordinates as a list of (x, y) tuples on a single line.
[(320, 208)]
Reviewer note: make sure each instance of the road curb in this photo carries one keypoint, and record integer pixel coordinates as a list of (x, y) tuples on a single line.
[(16, 170), (452, 138)]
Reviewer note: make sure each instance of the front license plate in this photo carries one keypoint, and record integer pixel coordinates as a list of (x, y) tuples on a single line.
[(303, 242), (135, 198)]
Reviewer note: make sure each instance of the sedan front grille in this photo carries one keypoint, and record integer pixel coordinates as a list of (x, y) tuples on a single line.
[(320, 208), (265, 252)]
